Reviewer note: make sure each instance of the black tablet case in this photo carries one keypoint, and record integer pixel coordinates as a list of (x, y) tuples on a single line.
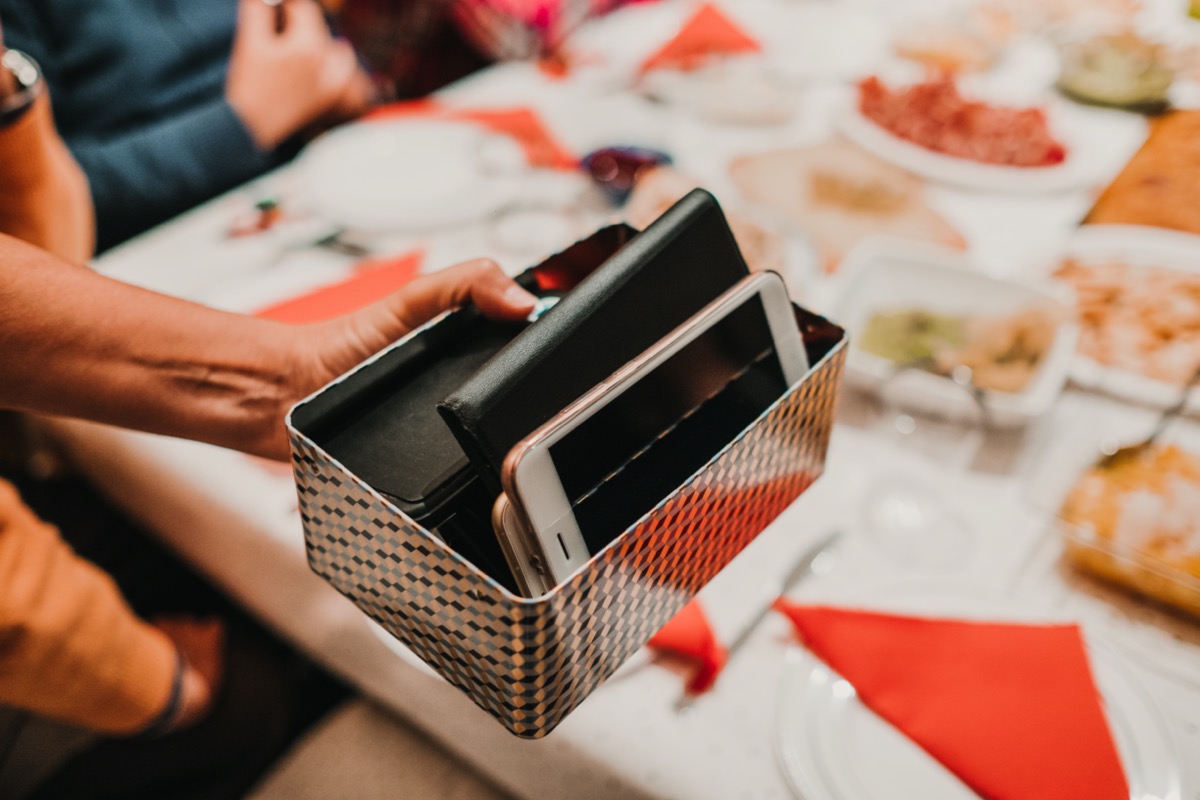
[(683, 261)]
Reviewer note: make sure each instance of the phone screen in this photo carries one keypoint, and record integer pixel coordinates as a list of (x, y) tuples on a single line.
[(622, 460)]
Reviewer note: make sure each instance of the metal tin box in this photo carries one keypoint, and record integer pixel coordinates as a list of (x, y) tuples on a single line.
[(530, 661)]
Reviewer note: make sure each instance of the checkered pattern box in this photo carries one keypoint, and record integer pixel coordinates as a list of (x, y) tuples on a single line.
[(530, 661)]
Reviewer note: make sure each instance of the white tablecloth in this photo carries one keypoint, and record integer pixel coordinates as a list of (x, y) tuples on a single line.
[(236, 519)]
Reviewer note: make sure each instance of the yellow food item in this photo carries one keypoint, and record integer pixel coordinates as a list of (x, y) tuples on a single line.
[(1136, 522), (912, 336), (868, 197)]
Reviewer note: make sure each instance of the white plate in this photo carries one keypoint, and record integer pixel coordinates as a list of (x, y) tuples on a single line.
[(1145, 246), (409, 174), (883, 274), (832, 746), (964, 173)]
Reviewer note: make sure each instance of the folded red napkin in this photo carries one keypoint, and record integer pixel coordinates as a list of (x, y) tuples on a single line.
[(522, 124), (1011, 709), (689, 636), (373, 280), (708, 33)]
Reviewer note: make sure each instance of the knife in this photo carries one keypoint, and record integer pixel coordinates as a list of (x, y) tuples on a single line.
[(801, 569)]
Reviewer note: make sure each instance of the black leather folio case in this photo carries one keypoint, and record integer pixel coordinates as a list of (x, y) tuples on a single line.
[(494, 383), (683, 261)]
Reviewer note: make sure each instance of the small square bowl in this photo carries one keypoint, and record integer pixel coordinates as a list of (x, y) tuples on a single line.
[(883, 274)]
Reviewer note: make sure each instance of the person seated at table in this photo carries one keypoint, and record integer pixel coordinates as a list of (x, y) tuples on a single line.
[(166, 104), (96, 701)]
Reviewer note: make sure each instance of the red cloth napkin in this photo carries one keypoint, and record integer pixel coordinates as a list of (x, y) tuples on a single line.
[(709, 33), (522, 124), (1011, 709), (374, 280), (689, 636)]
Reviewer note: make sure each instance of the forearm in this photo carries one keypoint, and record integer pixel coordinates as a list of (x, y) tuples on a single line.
[(75, 343)]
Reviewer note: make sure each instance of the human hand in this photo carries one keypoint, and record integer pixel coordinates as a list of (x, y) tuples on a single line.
[(202, 643), (280, 82), (324, 351)]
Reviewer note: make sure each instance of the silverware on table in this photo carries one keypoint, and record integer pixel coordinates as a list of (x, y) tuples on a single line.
[(964, 377), (1111, 457), (337, 243), (814, 560), (961, 376)]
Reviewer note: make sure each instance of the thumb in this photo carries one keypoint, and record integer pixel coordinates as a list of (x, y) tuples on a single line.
[(497, 295)]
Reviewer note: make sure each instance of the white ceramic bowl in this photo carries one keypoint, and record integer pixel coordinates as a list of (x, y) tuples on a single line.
[(884, 274)]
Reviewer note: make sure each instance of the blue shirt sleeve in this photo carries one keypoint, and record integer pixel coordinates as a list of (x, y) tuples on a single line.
[(148, 175), (156, 148)]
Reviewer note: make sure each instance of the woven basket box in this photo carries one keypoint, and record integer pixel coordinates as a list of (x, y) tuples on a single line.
[(530, 661)]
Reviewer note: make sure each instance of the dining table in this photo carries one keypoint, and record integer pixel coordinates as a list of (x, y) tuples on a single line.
[(235, 518)]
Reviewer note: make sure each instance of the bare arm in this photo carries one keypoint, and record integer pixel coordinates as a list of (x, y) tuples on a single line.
[(75, 343)]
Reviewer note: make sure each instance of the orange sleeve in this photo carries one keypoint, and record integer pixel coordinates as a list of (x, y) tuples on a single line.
[(70, 647), (46, 200)]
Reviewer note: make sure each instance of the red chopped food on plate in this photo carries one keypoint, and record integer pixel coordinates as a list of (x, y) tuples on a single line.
[(935, 116)]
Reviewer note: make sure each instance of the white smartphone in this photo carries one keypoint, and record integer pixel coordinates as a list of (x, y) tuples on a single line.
[(526, 566), (597, 467)]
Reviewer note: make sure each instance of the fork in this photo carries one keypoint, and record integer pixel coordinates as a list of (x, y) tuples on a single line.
[(961, 376)]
